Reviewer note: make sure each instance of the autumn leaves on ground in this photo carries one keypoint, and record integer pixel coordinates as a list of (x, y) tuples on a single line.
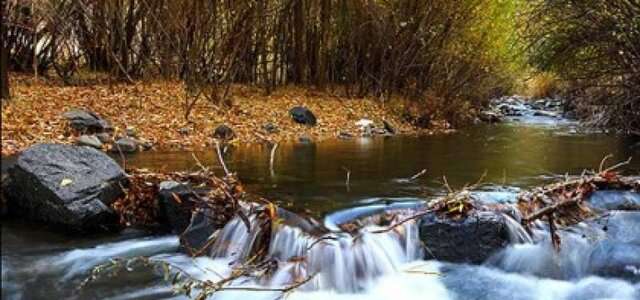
[(155, 111)]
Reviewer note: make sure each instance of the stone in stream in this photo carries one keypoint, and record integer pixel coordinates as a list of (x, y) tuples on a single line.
[(67, 185), (490, 116), (176, 201), (303, 115), (471, 239), (423, 122), (125, 145), (224, 133), (615, 259), (86, 121), (89, 140), (388, 127)]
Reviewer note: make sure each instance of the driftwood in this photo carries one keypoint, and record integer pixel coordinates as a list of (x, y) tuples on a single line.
[(563, 203)]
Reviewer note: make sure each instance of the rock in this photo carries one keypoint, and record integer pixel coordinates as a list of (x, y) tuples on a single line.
[(470, 240), (615, 259), (89, 140), (305, 139), (131, 132), (379, 131), (545, 113), (224, 133), (67, 185), (422, 122), (86, 121), (490, 116), (345, 135), (104, 137), (364, 124), (5, 183), (177, 212), (303, 115), (388, 127), (195, 239), (270, 128), (614, 200), (125, 145), (184, 131), (146, 146)]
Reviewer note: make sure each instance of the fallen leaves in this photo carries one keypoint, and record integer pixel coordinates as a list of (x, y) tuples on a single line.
[(155, 109)]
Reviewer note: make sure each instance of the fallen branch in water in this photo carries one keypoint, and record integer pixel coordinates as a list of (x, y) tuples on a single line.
[(563, 203)]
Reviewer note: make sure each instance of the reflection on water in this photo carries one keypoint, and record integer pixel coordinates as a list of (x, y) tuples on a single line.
[(38, 264), (313, 176)]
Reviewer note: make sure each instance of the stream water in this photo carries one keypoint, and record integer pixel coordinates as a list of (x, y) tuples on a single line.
[(312, 179)]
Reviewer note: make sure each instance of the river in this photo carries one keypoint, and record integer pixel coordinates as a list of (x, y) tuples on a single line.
[(312, 179)]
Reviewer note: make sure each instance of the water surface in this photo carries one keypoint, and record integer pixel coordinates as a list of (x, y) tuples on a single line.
[(312, 178)]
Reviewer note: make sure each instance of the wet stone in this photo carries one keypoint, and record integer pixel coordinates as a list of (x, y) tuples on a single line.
[(67, 185), (472, 239)]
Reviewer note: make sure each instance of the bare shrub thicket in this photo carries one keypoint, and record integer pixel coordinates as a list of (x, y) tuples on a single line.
[(364, 47)]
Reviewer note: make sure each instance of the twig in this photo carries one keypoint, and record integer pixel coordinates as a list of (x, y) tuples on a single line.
[(272, 158), (202, 167), (418, 175), (618, 165), (348, 180), (221, 160), (603, 161), (413, 217)]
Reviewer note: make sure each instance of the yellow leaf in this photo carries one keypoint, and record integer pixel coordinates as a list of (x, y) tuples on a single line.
[(65, 182)]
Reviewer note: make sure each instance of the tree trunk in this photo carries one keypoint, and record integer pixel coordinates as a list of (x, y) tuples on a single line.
[(4, 55), (298, 41)]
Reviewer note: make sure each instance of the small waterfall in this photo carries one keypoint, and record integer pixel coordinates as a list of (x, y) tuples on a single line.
[(517, 233), (338, 261)]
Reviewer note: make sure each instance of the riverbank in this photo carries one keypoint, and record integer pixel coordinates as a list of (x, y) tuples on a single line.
[(155, 111)]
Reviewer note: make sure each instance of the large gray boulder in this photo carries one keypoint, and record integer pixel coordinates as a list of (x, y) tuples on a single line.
[(67, 185), (86, 121), (470, 239)]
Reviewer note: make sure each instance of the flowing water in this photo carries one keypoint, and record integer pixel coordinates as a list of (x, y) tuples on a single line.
[(311, 180)]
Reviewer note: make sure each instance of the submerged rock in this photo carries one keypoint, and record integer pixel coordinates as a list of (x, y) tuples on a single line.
[(472, 239), (303, 115), (86, 121), (67, 185), (614, 200), (615, 259)]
